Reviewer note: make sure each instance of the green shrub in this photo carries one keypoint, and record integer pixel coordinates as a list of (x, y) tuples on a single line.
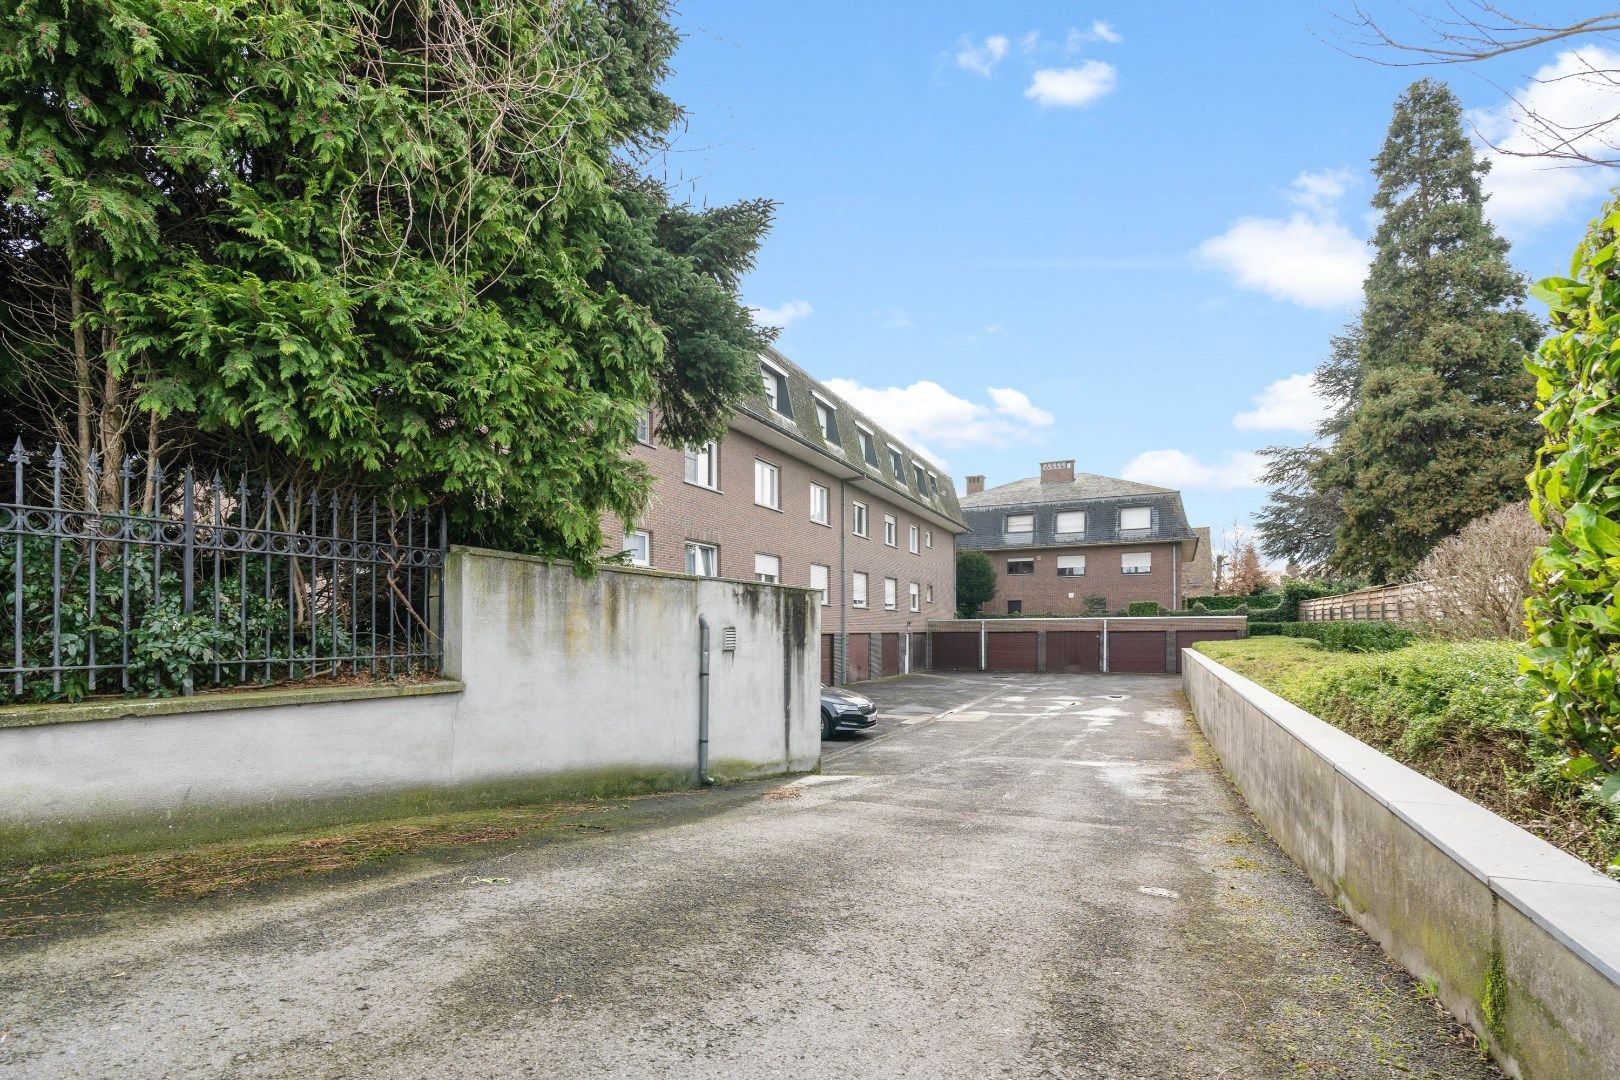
[(1095, 605), (1345, 636), (1144, 609), (1573, 664)]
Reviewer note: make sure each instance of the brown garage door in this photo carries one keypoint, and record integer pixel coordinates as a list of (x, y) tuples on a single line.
[(860, 658), (1073, 651), (1185, 638), (919, 652), (955, 650), (891, 654), (1136, 650), (826, 659), (1011, 651)]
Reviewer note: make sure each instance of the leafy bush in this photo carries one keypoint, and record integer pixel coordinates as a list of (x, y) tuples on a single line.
[(1573, 664), (1144, 609), (1343, 636), (1454, 711), (1095, 605)]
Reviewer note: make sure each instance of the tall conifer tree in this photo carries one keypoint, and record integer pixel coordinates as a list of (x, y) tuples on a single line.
[(1444, 428)]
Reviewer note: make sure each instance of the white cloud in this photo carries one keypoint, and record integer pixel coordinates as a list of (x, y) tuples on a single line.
[(1578, 91), (1100, 31), (1072, 86), (1290, 404), (925, 414), (982, 58), (1180, 470), (783, 314), (1016, 404), (893, 318), (1308, 258), (1030, 42)]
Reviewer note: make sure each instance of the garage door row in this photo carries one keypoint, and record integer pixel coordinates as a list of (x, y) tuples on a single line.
[(875, 656), (1067, 651)]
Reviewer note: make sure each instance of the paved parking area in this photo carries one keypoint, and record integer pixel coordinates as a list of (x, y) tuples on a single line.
[(1011, 875)]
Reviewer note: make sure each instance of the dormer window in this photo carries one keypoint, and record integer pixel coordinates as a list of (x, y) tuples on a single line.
[(897, 462), (868, 447), (776, 390), (1136, 519), (921, 480), (827, 421)]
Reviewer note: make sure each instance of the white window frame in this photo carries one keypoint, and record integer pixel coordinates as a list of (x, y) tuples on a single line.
[(867, 442), (891, 593), (1007, 524), (775, 383), (644, 426), (1071, 515), (897, 462), (827, 420), (820, 500), (913, 535), (928, 539), (1146, 567), (891, 531), (930, 592), (695, 549), (767, 568), (1077, 565), (857, 589), (1148, 510), (914, 593), (1021, 573), (646, 546), (824, 587), (767, 485), (859, 522), (702, 466)]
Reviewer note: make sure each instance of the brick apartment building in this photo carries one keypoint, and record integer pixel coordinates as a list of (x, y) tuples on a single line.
[(805, 490), (1059, 538)]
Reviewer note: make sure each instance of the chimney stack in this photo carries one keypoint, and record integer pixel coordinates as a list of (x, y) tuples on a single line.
[(975, 484), (1057, 472)]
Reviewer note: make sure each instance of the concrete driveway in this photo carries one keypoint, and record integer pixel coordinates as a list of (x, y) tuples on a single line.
[(1009, 876)]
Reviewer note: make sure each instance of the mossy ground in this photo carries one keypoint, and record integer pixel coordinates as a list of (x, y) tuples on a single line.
[(1452, 711)]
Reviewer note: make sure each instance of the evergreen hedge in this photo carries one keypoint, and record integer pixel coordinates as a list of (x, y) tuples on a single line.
[(1346, 636)]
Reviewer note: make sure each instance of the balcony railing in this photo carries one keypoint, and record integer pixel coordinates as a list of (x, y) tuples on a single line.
[(1018, 538)]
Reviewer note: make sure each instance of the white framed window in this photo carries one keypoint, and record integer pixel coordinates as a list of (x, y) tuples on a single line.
[(1133, 518), (930, 594), (891, 593), (857, 517), (915, 592), (1016, 567), (912, 535), (920, 478), (819, 505), (857, 589), (820, 578), (644, 426), (767, 484), (776, 392), (1071, 565), (702, 559), (890, 534), (1071, 522), (933, 484), (1136, 562), (868, 446), (639, 544), (767, 568), (1020, 524), (897, 462), (928, 538), (827, 421), (703, 466)]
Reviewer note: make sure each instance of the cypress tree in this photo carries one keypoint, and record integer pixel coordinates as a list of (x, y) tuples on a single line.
[(1443, 428)]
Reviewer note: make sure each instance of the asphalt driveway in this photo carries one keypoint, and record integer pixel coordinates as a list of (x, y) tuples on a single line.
[(1009, 876)]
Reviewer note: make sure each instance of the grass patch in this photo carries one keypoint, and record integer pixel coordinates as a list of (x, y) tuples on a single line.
[(1451, 710)]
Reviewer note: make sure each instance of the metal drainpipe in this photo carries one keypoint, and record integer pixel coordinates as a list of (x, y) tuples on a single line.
[(1104, 664), (703, 702), (840, 673)]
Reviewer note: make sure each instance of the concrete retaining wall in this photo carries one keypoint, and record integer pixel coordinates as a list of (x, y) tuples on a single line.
[(1522, 939), (549, 675)]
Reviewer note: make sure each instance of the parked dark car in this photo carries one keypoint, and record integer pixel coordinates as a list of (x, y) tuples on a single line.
[(845, 710)]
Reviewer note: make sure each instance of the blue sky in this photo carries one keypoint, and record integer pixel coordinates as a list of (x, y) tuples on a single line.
[(1103, 231)]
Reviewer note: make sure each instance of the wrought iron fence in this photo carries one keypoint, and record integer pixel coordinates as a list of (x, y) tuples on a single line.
[(207, 583)]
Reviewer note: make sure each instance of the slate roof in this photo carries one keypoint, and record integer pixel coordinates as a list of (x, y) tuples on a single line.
[(1101, 497), (800, 423)]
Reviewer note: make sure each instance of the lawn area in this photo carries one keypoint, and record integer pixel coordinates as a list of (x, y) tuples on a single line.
[(1452, 711)]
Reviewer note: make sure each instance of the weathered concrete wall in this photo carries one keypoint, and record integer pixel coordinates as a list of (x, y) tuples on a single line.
[(557, 677), (1522, 939), (563, 673)]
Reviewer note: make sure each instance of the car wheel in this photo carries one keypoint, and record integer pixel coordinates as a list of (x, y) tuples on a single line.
[(828, 728)]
